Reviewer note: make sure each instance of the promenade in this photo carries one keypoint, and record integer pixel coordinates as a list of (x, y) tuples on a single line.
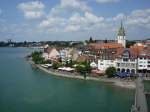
[(130, 84), (140, 104)]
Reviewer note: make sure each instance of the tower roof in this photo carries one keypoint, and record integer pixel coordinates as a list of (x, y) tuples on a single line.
[(121, 31)]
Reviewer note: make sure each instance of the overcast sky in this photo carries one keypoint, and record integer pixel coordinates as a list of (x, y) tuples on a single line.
[(73, 19)]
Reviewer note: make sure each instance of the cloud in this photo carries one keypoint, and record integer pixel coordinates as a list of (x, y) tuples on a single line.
[(107, 1), (32, 10), (89, 23), (69, 6), (74, 4), (119, 17), (76, 22), (53, 24), (139, 18), (33, 5), (75, 17)]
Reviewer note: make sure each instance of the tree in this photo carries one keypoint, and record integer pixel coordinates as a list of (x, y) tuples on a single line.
[(56, 65), (87, 67), (84, 68), (130, 43), (37, 58), (80, 69), (110, 71), (70, 63), (91, 40)]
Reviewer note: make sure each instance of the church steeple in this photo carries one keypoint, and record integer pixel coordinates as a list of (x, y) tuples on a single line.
[(121, 31), (121, 39)]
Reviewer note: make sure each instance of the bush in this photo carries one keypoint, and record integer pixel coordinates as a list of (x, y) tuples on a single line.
[(84, 67), (37, 58), (56, 65), (110, 71)]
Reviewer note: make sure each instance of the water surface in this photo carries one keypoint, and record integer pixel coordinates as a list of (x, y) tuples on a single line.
[(23, 89)]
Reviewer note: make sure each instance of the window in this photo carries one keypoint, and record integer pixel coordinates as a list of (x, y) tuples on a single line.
[(126, 54), (118, 64), (125, 59)]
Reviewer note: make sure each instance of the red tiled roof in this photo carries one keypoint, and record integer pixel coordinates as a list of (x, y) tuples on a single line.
[(145, 51), (105, 45), (134, 53), (138, 47), (49, 49)]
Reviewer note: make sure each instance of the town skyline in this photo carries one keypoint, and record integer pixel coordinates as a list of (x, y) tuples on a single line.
[(75, 20)]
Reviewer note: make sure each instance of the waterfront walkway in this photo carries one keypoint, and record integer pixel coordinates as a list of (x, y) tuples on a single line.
[(140, 104)]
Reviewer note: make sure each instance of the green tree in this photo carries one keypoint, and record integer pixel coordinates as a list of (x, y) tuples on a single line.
[(56, 65), (130, 43), (90, 40), (70, 63), (110, 71), (81, 69), (37, 57), (84, 68), (87, 67)]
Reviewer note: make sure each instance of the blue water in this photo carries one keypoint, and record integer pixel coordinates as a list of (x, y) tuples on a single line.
[(23, 89)]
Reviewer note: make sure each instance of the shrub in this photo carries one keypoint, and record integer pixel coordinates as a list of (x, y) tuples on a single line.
[(110, 71)]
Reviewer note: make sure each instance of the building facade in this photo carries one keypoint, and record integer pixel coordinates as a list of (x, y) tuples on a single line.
[(104, 64), (144, 64), (126, 62)]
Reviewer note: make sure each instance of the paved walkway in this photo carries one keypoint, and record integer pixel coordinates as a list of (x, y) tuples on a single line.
[(140, 98)]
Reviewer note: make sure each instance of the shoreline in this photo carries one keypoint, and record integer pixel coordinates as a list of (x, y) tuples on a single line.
[(116, 82)]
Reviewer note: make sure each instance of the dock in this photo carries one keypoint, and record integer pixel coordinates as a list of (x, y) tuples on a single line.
[(140, 103)]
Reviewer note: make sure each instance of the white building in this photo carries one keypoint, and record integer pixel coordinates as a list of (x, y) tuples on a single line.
[(93, 65), (64, 54), (144, 63), (104, 64), (126, 62), (69, 54), (144, 60)]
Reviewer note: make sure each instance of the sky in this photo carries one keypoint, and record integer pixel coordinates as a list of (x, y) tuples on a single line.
[(52, 20)]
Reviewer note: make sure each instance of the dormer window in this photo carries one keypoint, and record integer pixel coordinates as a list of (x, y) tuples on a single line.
[(126, 55)]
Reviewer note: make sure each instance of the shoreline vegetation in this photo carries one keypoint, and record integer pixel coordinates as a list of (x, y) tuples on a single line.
[(124, 83)]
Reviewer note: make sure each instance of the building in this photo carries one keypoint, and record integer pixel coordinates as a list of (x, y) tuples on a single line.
[(144, 61), (93, 65), (121, 37), (104, 64), (73, 54), (50, 54), (126, 62), (103, 54), (67, 54), (64, 54)]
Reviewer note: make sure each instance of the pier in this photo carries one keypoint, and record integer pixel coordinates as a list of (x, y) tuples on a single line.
[(140, 104)]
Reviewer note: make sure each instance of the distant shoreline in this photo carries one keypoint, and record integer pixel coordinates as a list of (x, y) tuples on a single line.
[(117, 82)]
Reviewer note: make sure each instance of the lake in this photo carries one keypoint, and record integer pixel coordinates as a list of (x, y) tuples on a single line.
[(23, 89)]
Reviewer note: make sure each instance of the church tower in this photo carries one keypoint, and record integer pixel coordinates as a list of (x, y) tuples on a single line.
[(121, 37)]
